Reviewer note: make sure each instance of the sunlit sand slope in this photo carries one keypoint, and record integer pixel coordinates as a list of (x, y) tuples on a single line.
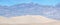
[(28, 19)]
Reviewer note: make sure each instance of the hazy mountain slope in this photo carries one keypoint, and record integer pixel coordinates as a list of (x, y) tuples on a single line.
[(30, 9)]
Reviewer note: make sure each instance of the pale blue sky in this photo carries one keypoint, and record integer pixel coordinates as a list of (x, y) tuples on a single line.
[(44, 2)]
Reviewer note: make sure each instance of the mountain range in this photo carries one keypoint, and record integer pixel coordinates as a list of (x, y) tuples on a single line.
[(30, 9)]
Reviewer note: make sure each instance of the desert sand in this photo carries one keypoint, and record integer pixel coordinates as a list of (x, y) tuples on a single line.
[(28, 20)]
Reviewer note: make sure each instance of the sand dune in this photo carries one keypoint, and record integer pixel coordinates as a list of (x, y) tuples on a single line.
[(28, 19)]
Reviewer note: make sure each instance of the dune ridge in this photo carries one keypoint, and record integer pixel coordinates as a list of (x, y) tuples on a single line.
[(28, 19)]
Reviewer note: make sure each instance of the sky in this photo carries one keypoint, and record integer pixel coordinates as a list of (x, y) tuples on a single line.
[(43, 2)]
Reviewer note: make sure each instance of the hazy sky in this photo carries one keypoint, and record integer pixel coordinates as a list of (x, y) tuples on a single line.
[(44, 2)]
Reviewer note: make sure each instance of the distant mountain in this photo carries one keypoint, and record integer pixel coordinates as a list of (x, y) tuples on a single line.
[(58, 5), (30, 9)]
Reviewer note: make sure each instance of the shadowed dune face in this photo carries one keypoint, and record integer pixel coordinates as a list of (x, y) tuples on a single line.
[(28, 19)]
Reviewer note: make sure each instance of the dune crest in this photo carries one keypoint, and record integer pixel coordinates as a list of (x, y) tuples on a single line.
[(28, 19)]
